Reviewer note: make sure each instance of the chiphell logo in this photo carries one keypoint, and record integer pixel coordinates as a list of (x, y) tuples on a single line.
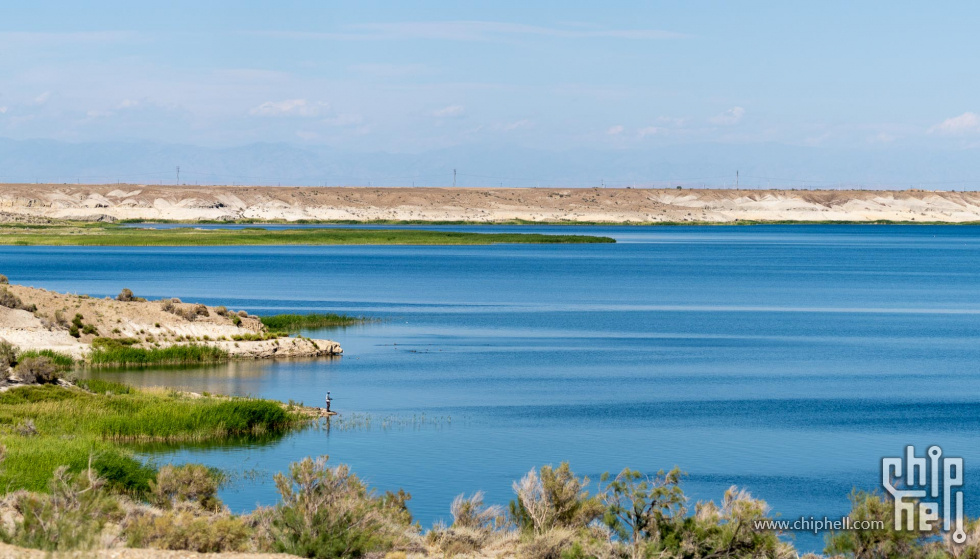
[(927, 486)]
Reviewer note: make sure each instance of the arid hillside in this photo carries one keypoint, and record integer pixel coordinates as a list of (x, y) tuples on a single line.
[(28, 202)]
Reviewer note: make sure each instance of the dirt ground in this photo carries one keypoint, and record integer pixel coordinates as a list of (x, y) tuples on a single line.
[(133, 201)]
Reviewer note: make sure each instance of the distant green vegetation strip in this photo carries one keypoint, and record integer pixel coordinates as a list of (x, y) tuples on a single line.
[(44, 427), (62, 360), (296, 322), (524, 222), (109, 353), (109, 235)]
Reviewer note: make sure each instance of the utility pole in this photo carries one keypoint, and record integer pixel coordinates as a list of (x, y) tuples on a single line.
[(736, 179), (178, 175), (454, 178)]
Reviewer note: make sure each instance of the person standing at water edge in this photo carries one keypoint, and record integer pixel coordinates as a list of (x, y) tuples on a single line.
[(328, 400)]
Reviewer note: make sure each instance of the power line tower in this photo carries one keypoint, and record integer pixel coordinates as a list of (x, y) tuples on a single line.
[(178, 175)]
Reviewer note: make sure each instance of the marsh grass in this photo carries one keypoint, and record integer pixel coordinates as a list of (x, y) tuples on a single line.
[(112, 235), (73, 424), (296, 322), (61, 360), (118, 355)]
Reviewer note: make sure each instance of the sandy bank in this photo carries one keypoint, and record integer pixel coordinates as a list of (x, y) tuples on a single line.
[(108, 202), (149, 323)]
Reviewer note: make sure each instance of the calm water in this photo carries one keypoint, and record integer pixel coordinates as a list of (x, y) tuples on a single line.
[(785, 359)]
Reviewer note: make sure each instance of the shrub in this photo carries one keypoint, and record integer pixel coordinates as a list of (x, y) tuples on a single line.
[(168, 305), (236, 320), (221, 311), (201, 310), (60, 360), (73, 331), (190, 483), (185, 530), (472, 513), (37, 370), (8, 355), (4, 280), (89, 329), (869, 544), (11, 301), (125, 295), (120, 355), (243, 314), (637, 506), (555, 499), (329, 512), (71, 517)]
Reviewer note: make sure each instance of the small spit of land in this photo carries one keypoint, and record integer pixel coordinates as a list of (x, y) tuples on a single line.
[(129, 330), (100, 234), (33, 202)]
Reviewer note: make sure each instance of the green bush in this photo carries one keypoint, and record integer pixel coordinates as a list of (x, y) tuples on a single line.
[(296, 322)]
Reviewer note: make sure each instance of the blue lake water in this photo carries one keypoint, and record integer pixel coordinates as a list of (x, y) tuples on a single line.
[(784, 359)]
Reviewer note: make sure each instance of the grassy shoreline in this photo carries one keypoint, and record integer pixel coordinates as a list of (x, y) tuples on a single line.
[(112, 235), (738, 222), (44, 427)]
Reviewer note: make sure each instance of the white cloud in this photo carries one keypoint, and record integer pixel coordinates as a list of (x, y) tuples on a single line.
[(650, 131), (289, 107), (42, 98), (729, 117), (518, 124), (3, 110), (448, 112), (615, 130), (964, 124), (128, 104)]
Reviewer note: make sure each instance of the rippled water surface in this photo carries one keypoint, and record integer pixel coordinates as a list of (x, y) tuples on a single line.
[(785, 359)]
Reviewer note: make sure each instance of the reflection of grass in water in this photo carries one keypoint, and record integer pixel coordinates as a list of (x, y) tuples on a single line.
[(367, 422)]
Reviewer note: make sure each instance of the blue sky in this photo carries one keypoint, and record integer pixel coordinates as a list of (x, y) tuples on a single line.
[(411, 77)]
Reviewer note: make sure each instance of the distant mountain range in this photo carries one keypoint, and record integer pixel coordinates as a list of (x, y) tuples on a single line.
[(757, 165)]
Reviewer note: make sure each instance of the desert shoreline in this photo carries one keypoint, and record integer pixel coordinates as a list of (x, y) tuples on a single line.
[(116, 202)]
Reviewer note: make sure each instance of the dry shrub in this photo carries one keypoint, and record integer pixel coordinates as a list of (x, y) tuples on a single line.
[(168, 305), (201, 310), (221, 311), (547, 545), (11, 301), (26, 428), (37, 370), (4, 280), (553, 499), (329, 512), (126, 295), (243, 314), (8, 356), (190, 483), (186, 529), (71, 517)]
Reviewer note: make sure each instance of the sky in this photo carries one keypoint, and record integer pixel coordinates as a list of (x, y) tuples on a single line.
[(614, 82)]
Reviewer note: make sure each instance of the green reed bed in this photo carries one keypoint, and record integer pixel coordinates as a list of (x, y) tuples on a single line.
[(112, 235), (43, 427), (61, 360), (109, 354), (296, 322)]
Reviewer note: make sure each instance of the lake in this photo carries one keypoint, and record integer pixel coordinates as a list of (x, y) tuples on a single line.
[(786, 359)]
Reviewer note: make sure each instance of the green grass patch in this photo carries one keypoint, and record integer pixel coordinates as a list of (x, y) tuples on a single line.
[(71, 424), (112, 235), (296, 322), (62, 360), (118, 355)]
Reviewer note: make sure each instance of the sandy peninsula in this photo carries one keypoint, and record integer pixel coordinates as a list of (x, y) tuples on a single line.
[(27, 202), (37, 319)]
